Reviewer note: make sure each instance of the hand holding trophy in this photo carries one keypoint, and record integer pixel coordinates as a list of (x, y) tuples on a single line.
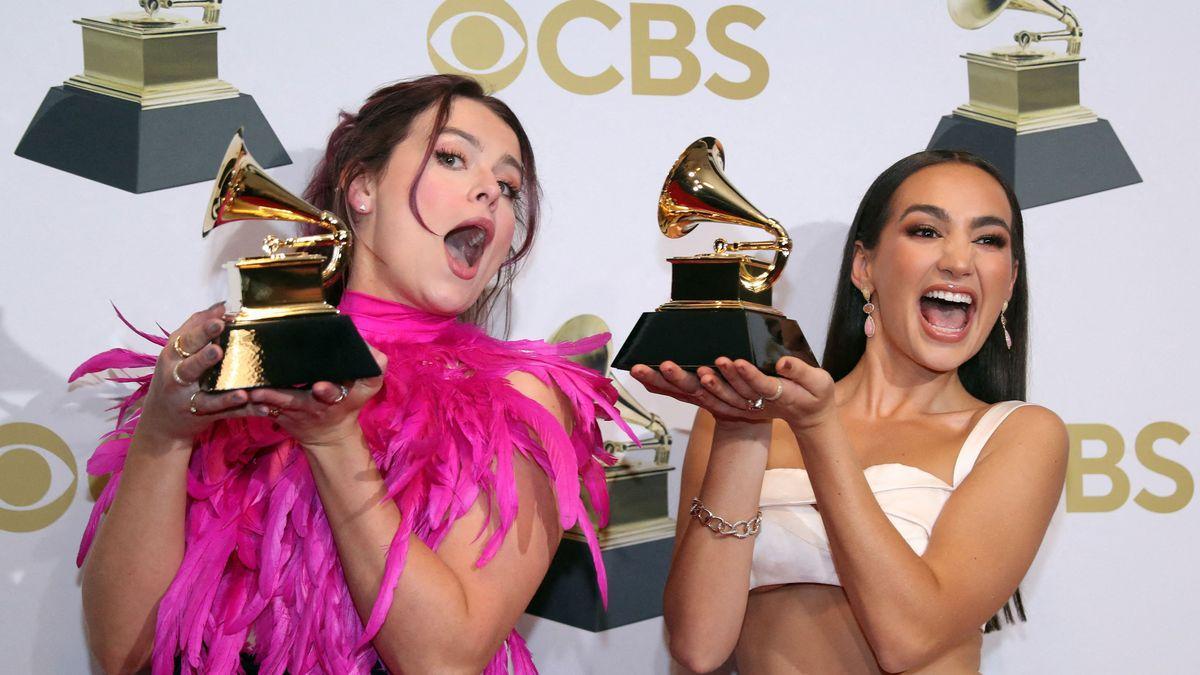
[(285, 333), (720, 301)]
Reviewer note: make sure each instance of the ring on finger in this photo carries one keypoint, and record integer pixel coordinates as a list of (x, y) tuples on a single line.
[(756, 404), (192, 403), (778, 391), (177, 377), (341, 396), (178, 347), (274, 412)]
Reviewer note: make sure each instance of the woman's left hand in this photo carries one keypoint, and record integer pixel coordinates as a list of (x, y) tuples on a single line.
[(802, 395), (325, 415)]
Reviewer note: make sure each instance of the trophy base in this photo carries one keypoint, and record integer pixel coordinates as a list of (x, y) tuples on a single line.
[(119, 143), (1044, 166), (290, 352), (696, 337)]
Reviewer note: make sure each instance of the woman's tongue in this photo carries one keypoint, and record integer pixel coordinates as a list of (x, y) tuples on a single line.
[(466, 244), (945, 315)]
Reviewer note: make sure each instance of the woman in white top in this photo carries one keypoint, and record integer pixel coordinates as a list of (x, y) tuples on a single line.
[(807, 539)]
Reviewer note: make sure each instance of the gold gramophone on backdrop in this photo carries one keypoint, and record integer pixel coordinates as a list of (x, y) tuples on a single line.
[(148, 111), (721, 301), (636, 544), (285, 332), (1024, 112)]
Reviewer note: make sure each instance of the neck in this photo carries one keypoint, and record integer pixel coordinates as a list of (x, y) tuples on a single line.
[(888, 383)]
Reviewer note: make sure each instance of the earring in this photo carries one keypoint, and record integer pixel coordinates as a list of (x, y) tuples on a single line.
[(869, 324), (362, 208), (1004, 326)]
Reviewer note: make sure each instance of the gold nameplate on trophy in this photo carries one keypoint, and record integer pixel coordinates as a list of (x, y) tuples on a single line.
[(153, 58), (637, 482), (285, 333), (1020, 87), (721, 301)]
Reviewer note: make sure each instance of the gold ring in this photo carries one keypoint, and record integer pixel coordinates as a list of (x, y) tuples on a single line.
[(756, 404), (274, 412), (778, 391), (183, 353), (177, 377), (341, 396), (192, 403)]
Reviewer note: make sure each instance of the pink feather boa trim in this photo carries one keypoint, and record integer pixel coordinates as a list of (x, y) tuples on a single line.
[(259, 553)]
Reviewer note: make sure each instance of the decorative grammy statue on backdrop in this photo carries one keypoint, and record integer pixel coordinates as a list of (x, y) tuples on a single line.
[(720, 301), (637, 542), (285, 333), (148, 112), (1024, 113)]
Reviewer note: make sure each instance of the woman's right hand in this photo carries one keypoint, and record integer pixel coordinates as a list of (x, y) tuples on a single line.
[(175, 409)]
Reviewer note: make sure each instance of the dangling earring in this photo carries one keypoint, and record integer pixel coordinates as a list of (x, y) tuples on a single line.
[(1004, 326), (869, 324)]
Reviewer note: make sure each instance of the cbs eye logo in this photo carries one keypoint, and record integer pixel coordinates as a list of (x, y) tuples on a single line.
[(38, 477), (487, 40), (480, 41)]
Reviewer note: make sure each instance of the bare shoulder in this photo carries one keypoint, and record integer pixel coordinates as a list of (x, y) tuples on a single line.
[(548, 396), (1031, 433)]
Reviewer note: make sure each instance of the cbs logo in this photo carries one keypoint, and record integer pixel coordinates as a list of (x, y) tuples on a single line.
[(487, 40), (38, 477), (1147, 445)]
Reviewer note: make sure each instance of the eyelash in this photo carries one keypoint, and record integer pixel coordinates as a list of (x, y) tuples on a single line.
[(447, 157), (924, 232)]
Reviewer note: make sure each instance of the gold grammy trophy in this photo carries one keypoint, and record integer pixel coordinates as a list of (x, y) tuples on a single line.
[(148, 111), (636, 544), (285, 333), (721, 301), (1024, 112)]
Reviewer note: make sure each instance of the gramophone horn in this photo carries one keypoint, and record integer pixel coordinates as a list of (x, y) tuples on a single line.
[(243, 191), (632, 411), (697, 191)]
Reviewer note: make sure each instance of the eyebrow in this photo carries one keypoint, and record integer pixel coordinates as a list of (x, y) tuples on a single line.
[(475, 143), (941, 214)]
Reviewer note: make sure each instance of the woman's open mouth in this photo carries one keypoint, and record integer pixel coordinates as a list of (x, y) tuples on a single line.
[(946, 315), (465, 246)]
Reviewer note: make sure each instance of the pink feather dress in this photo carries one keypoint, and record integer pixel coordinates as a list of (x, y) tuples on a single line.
[(444, 430)]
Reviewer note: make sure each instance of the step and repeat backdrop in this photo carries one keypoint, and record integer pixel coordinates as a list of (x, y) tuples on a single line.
[(811, 101)]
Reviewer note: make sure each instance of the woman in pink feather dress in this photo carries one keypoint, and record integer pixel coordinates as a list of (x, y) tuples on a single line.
[(401, 522)]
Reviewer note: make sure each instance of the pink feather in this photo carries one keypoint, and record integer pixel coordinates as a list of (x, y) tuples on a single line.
[(259, 555)]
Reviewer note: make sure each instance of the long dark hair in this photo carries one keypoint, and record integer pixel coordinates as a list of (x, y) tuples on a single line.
[(362, 142), (995, 373)]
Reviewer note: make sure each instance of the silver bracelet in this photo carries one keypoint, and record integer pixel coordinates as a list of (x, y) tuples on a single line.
[(741, 529)]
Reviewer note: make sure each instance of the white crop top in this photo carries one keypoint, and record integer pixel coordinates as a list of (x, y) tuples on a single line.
[(792, 546)]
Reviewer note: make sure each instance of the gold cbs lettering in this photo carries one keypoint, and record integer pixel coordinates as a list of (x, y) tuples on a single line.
[(479, 34), (1107, 464)]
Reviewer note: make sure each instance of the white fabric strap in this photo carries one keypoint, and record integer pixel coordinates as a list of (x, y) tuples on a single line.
[(980, 435)]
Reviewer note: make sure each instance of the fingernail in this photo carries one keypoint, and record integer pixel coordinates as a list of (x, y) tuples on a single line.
[(214, 327)]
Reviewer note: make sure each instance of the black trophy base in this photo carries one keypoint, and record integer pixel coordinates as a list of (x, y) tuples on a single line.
[(116, 142), (1044, 166), (697, 337), (290, 352), (637, 574)]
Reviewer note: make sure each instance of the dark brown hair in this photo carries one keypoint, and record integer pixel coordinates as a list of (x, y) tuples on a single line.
[(995, 373), (362, 142)]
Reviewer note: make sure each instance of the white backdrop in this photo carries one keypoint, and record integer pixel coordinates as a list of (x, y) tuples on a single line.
[(851, 88)]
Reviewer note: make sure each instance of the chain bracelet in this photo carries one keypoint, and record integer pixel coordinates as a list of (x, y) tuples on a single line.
[(741, 529)]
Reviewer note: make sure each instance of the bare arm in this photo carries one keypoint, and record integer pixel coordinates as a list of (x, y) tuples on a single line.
[(447, 615), (139, 545), (913, 608)]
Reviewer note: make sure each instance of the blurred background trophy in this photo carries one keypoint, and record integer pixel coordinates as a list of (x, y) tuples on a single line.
[(1024, 115), (636, 545), (285, 333), (720, 301), (148, 112)]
